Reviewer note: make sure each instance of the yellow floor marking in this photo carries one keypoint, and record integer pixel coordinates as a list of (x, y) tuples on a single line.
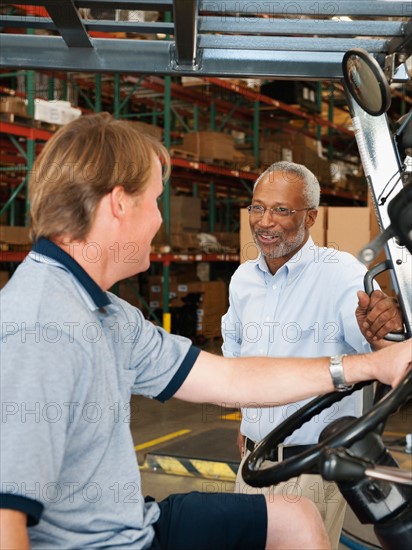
[(232, 416), (172, 465), (213, 470), (162, 439)]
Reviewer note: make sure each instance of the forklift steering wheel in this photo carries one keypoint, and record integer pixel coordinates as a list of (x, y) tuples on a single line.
[(307, 461)]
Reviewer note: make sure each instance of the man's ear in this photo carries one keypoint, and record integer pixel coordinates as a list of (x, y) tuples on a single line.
[(118, 201), (311, 218)]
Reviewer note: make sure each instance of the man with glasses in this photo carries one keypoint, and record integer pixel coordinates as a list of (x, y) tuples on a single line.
[(297, 300)]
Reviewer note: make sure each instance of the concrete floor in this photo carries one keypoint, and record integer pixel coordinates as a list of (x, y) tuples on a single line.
[(167, 428)]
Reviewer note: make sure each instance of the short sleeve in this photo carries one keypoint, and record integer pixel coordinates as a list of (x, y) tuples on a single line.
[(161, 361), (38, 375)]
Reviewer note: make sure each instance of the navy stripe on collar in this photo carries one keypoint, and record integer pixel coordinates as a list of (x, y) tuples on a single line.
[(47, 248)]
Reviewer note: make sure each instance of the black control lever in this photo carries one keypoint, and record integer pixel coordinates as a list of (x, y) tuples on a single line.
[(341, 465)]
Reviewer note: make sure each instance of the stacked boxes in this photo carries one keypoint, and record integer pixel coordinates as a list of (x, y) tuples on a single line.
[(149, 129), (156, 291), (185, 214), (212, 146), (13, 236), (228, 242), (348, 228), (51, 112), (248, 249), (271, 150), (298, 148), (210, 296), (212, 307), (13, 105), (185, 224)]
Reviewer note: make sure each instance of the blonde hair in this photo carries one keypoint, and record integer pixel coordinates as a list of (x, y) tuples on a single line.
[(79, 165)]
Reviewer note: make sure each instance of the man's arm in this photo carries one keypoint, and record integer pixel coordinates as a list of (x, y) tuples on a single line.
[(247, 381), (13, 530), (377, 315)]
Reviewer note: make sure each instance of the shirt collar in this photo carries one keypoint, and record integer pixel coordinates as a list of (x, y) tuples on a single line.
[(47, 248), (296, 264)]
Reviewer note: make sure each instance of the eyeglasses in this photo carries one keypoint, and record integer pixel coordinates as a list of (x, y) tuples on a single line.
[(258, 211)]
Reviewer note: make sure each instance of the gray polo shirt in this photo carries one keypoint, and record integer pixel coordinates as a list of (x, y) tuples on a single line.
[(71, 357)]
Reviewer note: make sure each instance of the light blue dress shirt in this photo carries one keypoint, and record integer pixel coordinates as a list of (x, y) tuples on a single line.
[(306, 309)]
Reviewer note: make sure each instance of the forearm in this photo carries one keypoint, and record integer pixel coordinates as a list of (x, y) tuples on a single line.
[(13, 530), (266, 381), (286, 380)]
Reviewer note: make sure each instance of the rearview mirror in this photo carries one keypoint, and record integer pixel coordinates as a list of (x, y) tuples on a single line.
[(366, 81)]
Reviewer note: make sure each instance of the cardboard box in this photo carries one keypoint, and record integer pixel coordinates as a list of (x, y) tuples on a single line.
[(227, 241), (184, 241), (212, 296), (185, 214), (270, 151), (129, 290), (297, 148), (4, 277), (13, 234), (156, 295), (214, 304), (210, 146), (318, 230), (348, 228), (209, 326), (13, 105), (55, 112), (248, 249), (145, 128), (193, 81)]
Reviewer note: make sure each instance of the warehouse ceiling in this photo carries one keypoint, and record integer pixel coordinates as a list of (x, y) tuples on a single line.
[(268, 39)]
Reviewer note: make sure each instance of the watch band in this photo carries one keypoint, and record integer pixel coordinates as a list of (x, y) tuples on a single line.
[(336, 372)]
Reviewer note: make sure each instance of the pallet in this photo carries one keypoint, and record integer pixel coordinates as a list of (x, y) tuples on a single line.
[(167, 249), (12, 247), (219, 162), (183, 154), (46, 126), (160, 249), (14, 118), (186, 250), (234, 164)]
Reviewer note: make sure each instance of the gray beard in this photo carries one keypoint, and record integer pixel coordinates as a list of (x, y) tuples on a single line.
[(285, 247)]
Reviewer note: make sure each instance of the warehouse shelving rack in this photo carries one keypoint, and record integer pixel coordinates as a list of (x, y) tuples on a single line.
[(206, 39), (118, 97)]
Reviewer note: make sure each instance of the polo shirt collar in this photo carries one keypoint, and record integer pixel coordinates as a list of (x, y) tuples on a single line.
[(48, 248)]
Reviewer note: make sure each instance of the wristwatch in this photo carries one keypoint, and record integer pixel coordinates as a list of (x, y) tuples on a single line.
[(336, 372)]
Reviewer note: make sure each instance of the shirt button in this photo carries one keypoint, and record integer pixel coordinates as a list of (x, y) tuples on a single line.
[(261, 351), (267, 318), (274, 287)]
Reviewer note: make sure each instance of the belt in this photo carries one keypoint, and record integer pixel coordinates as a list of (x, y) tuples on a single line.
[(288, 451)]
